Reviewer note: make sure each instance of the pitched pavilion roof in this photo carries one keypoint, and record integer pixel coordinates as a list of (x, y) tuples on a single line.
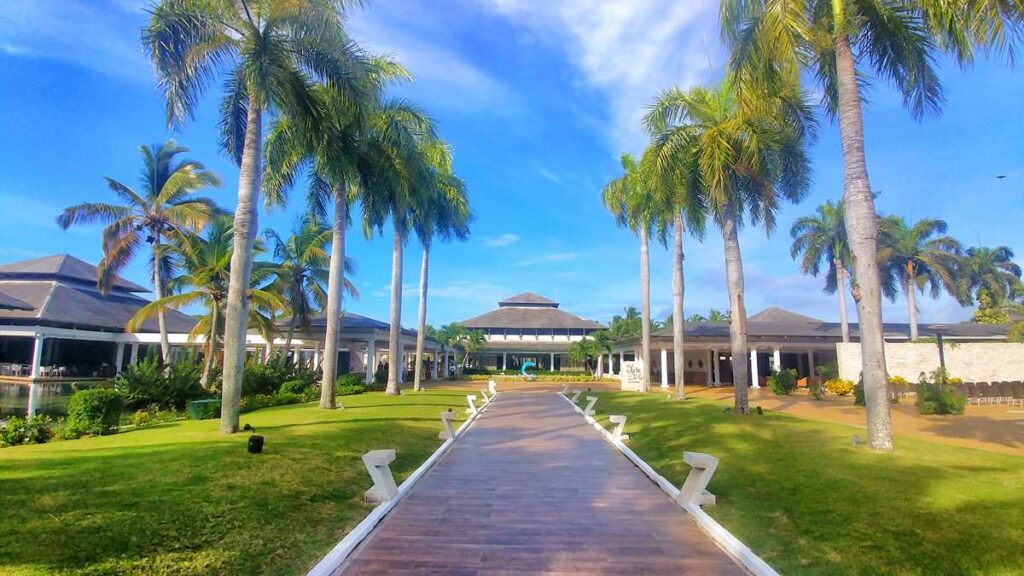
[(529, 311), (527, 299), (60, 291), (63, 266), (349, 322), (778, 315), (11, 303)]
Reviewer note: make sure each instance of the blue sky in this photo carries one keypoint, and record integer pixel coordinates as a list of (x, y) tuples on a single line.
[(538, 100)]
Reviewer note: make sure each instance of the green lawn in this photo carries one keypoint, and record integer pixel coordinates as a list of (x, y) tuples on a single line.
[(803, 498), (180, 498)]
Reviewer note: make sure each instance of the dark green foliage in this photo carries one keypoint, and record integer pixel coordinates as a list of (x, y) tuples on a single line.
[(828, 371), (782, 382), (938, 396), (380, 378), (295, 387), (260, 378), (259, 401), (148, 383), (33, 430), (349, 384), (96, 411), (858, 394)]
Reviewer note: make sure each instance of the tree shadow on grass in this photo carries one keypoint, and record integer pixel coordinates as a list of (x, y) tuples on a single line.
[(807, 501)]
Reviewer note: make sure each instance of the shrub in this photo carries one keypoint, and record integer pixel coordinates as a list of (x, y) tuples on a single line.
[(828, 371), (147, 383), (96, 411), (858, 394), (898, 382), (265, 379), (938, 396), (839, 387), (782, 382), (295, 386), (32, 430), (255, 402), (152, 415), (380, 378), (816, 388), (349, 384)]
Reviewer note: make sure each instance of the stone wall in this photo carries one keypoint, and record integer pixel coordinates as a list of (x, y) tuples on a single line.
[(970, 361)]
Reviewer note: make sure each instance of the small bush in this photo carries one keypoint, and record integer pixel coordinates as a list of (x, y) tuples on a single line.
[(380, 378), (255, 402), (295, 386), (151, 416), (938, 396), (816, 388), (33, 430), (96, 411), (828, 371), (349, 389), (148, 383), (782, 382), (839, 387), (858, 394), (265, 379)]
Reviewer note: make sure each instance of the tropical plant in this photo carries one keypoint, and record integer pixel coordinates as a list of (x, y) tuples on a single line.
[(747, 149), (604, 341), (713, 316), (821, 238), (471, 341), (447, 217), (635, 208), (269, 53), (916, 257), (988, 277), (670, 162), (301, 273), (625, 325), (838, 386), (205, 263), (448, 336), (164, 210), (782, 382), (772, 42), (584, 352)]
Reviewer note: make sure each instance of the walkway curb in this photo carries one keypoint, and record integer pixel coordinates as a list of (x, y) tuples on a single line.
[(334, 559), (731, 545)]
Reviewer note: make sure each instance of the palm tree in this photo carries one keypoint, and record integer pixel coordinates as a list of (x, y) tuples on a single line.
[(205, 271), (671, 161), (447, 217), (915, 257), (625, 326), (270, 53), (584, 352), (747, 149), (166, 210), (448, 336), (340, 152), (605, 341), (987, 275), (822, 238), (633, 208), (772, 41)]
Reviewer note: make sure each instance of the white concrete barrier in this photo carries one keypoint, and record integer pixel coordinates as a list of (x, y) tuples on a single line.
[(694, 490), (471, 399), (575, 396), (620, 423), (378, 464), (483, 394), (446, 421), (589, 410), (492, 386)]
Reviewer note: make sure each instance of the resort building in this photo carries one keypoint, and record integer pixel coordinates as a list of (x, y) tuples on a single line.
[(57, 328), (776, 338), (528, 328)]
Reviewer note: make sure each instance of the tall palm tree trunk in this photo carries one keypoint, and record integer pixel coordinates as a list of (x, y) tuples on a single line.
[(908, 285), (862, 234), (394, 339), (844, 322), (288, 339), (421, 324), (645, 312), (158, 292), (211, 347), (737, 310), (678, 292), (335, 284), (236, 313)]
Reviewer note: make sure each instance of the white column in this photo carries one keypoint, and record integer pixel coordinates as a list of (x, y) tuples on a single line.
[(600, 364), (810, 363), (611, 364), (504, 360), (755, 379), (37, 360), (400, 358), (119, 358), (552, 361), (133, 356), (777, 359), (621, 356), (371, 361), (707, 368), (664, 368)]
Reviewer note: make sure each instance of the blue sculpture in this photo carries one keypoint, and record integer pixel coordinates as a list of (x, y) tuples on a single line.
[(528, 364)]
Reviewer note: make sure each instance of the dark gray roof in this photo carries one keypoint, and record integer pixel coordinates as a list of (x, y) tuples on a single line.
[(349, 321), (73, 304), (528, 299), (60, 266), (518, 317), (12, 303), (778, 325)]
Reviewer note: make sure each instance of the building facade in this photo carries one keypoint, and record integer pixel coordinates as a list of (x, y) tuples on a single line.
[(528, 327)]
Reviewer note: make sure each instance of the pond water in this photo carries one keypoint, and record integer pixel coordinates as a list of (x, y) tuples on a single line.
[(52, 397)]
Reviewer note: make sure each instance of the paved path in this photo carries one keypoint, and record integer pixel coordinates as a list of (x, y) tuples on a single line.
[(532, 488)]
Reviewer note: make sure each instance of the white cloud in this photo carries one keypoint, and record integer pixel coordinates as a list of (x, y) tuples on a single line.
[(550, 175), (627, 50), (84, 33), (547, 259), (500, 241)]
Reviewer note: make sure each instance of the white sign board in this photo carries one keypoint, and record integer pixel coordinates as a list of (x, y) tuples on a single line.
[(632, 376)]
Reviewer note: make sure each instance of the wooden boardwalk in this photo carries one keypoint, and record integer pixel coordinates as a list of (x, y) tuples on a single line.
[(532, 488)]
